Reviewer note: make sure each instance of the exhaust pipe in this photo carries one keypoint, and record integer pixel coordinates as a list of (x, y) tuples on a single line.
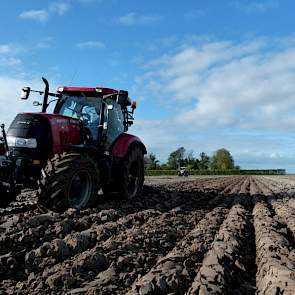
[(45, 98)]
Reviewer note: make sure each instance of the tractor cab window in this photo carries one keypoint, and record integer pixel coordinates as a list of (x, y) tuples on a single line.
[(69, 109), (86, 109), (115, 121)]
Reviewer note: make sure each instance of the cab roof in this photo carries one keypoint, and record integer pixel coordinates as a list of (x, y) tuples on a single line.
[(97, 91)]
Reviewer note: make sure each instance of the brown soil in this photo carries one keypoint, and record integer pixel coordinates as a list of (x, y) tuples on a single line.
[(196, 235)]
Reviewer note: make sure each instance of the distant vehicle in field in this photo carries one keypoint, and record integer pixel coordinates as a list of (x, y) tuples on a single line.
[(183, 171)]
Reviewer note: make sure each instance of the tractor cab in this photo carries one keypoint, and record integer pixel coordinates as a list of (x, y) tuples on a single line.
[(85, 109), (102, 114)]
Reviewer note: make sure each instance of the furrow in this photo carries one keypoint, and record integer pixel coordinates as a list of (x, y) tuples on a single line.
[(275, 255), (175, 271), (225, 267)]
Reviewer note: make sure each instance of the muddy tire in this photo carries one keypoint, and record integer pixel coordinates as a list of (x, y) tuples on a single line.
[(70, 180), (131, 181)]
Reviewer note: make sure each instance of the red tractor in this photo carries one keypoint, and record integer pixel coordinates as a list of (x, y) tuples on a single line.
[(76, 151)]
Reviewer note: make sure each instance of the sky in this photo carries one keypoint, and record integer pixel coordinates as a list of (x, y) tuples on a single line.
[(206, 74)]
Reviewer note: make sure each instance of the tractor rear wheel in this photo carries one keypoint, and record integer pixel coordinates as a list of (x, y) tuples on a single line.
[(131, 181), (70, 180)]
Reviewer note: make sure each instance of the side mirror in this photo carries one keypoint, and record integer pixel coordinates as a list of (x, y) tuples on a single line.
[(133, 105), (122, 97), (25, 93)]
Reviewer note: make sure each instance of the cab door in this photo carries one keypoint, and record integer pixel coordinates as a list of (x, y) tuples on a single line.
[(115, 121)]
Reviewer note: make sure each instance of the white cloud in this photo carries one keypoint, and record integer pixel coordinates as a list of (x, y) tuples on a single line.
[(256, 6), (237, 95), (59, 7), (10, 61), (91, 45), (37, 15), (132, 19), (275, 155), (9, 48), (43, 15), (45, 43), (261, 160), (248, 84), (8, 55)]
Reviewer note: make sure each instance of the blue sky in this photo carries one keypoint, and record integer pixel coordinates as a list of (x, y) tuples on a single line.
[(206, 74)]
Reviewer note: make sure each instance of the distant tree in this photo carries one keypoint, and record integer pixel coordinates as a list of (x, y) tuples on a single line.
[(222, 160), (196, 165), (176, 158), (204, 162), (190, 160), (153, 161), (164, 167)]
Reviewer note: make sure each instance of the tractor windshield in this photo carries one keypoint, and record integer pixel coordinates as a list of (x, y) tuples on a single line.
[(86, 109)]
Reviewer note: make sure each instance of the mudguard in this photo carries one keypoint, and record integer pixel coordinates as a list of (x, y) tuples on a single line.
[(122, 144)]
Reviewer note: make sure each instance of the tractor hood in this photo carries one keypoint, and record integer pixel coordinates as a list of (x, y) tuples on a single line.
[(46, 133), (30, 135)]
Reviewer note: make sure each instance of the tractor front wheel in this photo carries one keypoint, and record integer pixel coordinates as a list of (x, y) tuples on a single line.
[(70, 180)]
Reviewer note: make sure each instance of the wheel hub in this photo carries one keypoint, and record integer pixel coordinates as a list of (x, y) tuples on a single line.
[(79, 190)]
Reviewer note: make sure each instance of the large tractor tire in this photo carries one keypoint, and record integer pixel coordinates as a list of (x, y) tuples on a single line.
[(130, 183), (70, 180)]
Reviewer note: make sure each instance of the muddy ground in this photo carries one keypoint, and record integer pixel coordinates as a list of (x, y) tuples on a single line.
[(195, 235)]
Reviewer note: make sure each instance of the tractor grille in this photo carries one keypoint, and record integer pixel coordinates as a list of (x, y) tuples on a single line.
[(32, 126)]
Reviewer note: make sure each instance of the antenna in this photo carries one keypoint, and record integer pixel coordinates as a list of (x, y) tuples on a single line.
[(75, 73)]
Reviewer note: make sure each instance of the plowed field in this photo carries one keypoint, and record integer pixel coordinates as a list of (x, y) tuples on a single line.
[(196, 235)]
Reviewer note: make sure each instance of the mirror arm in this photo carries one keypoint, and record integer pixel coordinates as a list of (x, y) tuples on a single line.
[(52, 101)]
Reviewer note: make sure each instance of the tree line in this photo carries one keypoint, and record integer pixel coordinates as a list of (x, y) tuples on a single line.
[(221, 160)]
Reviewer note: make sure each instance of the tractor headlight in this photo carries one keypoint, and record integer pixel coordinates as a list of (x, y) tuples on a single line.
[(30, 143)]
